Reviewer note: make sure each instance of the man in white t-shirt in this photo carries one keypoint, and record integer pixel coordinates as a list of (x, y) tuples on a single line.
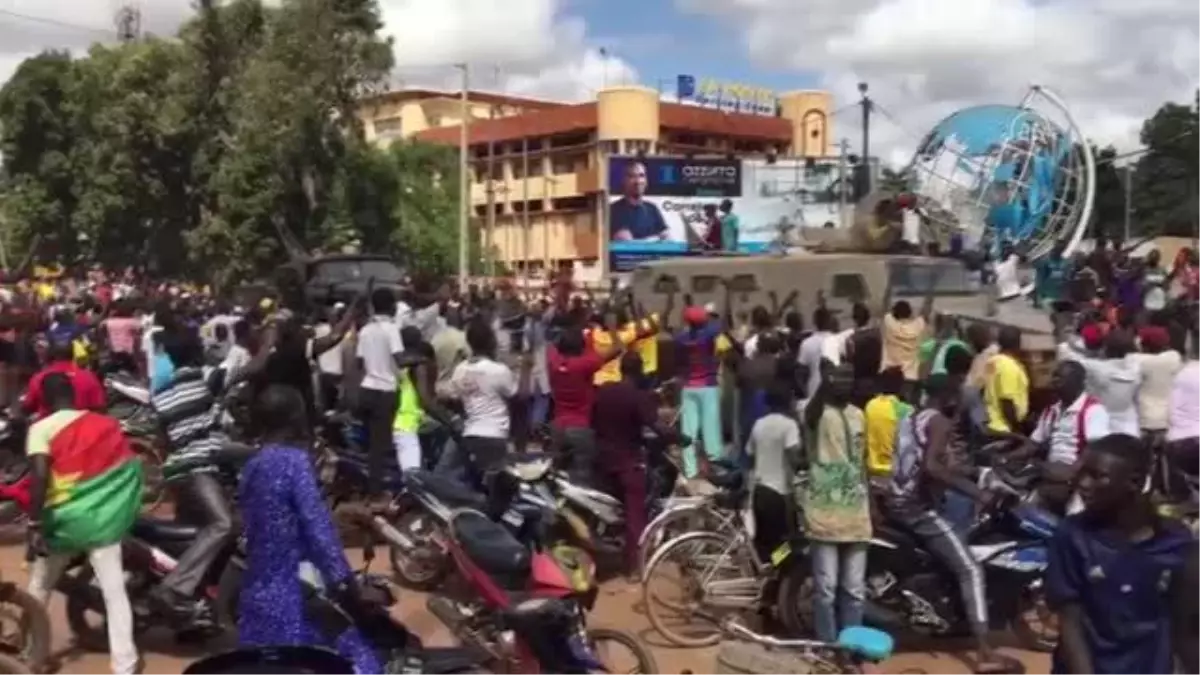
[(484, 385), (1008, 277), (329, 362), (1064, 429), (1113, 380), (812, 350), (380, 353)]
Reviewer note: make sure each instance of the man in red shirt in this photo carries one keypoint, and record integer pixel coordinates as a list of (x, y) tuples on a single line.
[(89, 392), (571, 367)]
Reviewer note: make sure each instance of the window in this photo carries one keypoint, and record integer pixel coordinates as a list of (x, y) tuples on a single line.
[(849, 287), (388, 126), (435, 120), (634, 147), (567, 163), (704, 283), (666, 284), (919, 277), (743, 283), (609, 147)]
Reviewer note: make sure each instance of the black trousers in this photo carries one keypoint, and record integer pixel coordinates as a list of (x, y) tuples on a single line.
[(378, 410), (329, 386), (200, 501), (484, 456), (773, 518)]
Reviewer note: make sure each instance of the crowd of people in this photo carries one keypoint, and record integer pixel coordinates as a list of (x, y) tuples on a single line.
[(884, 415)]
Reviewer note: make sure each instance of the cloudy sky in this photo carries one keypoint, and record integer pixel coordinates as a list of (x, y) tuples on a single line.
[(1114, 61)]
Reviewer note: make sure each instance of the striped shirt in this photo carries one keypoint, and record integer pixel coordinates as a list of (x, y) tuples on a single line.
[(187, 410)]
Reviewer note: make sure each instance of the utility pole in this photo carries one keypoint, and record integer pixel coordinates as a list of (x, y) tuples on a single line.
[(464, 183), (525, 207), (1128, 176), (843, 158), (864, 164), (490, 187)]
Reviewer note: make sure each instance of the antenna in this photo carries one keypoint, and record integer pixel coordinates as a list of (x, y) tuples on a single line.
[(129, 22)]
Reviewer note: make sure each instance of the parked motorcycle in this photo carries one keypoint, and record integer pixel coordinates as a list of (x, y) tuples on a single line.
[(525, 608), (908, 589)]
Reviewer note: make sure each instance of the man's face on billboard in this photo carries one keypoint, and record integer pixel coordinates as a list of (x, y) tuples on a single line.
[(635, 180)]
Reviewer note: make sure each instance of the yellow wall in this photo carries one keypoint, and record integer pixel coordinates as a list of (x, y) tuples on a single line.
[(386, 120), (551, 235), (627, 113), (812, 123)]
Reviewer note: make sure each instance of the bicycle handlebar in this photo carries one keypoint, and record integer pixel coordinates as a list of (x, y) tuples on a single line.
[(736, 629)]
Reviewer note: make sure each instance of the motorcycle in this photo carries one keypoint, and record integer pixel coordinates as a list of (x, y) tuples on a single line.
[(419, 554), (525, 608), (129, 403), (150, 553), (907, 588)]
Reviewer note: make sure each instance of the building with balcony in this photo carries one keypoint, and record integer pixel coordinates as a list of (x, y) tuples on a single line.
[(538, 168)]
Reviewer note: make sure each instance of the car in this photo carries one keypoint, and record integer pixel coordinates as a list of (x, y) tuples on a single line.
[(325, 280)]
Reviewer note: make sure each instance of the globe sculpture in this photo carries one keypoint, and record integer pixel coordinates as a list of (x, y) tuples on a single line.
[(1005, 173)]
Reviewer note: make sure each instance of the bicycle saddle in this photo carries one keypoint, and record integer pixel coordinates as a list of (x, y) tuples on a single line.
[(868, 643)]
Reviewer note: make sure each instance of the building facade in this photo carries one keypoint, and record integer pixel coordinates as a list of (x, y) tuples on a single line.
[(538, 168)]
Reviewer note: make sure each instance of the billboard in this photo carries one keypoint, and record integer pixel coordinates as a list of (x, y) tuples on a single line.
[(727, 96), (662, 207)]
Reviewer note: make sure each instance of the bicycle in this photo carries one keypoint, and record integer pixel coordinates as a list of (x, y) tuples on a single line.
[(855, 646), (721, 574)]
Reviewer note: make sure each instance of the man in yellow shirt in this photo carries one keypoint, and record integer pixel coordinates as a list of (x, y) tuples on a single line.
[(882, 416), (1006, 389), (647, 347), (641, 334)]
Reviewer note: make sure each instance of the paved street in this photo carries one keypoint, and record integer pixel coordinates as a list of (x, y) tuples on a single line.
[(618, 607)]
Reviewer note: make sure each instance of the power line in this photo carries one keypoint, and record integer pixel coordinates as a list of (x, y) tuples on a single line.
[(55, 22)]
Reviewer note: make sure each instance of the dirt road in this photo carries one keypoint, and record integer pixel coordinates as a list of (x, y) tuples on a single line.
[(618, 607)]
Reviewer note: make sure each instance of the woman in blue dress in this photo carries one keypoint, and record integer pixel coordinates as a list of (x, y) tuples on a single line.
[(287, 523)]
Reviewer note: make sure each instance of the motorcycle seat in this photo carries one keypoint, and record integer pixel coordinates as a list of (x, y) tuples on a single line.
[(436, 660), (130, 389), (154, 529), (447, 490), (535, 611), (725, 478), (529, 468), (869, 643), (493, 548)]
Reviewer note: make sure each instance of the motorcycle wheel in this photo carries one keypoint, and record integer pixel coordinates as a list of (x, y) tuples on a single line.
[(31, 643), (1035, 625), (152, 479), (423, 572), (641, 656), (10, 665), (794, 601), (12, 523)]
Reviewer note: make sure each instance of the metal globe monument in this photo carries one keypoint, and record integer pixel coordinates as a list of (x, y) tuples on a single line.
[(1006, 173)]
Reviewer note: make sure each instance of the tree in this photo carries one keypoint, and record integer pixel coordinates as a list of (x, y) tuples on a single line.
[(36, 141), (1166, 176)]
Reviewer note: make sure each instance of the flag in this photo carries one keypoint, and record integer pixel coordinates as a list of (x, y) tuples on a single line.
[(95, 489)]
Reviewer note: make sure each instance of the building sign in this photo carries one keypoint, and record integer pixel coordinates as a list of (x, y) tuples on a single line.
[(665, 207), (727, 96)]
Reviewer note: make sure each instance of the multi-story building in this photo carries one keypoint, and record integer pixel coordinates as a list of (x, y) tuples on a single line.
[(538, 167)]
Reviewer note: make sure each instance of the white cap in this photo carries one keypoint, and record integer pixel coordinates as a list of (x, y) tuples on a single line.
[(711, 307)]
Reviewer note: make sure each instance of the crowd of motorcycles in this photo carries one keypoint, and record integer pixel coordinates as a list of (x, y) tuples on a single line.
[(513, 570)]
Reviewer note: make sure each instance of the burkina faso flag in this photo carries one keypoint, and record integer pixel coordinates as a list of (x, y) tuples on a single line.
[(95, 489)]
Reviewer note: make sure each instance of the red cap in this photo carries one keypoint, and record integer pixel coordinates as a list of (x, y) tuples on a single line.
[(1093, 336), (1154, 337), (695, 314)]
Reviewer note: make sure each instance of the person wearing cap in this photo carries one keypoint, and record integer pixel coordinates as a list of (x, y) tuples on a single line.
[(700, 345), (1159, 364)]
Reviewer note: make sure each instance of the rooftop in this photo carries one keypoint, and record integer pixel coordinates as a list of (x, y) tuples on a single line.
[(563, 118), (473, 95)]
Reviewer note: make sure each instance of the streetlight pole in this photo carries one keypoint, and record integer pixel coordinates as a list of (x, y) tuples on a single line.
[(1127, 175), (464, 183), (865, 163)]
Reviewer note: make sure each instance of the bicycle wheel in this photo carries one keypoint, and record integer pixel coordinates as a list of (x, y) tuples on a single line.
[(698, 518), (604, 640), (716, 578)]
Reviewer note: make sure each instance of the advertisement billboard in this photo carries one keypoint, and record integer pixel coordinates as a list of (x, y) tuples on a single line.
[(661, 207), (727, 96)]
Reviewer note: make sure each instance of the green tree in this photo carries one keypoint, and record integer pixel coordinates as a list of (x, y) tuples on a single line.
[(36, 141), (1166, 176)]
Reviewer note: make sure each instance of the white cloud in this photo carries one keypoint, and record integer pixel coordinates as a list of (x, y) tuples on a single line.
[(1113, 61), (538, 48)]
